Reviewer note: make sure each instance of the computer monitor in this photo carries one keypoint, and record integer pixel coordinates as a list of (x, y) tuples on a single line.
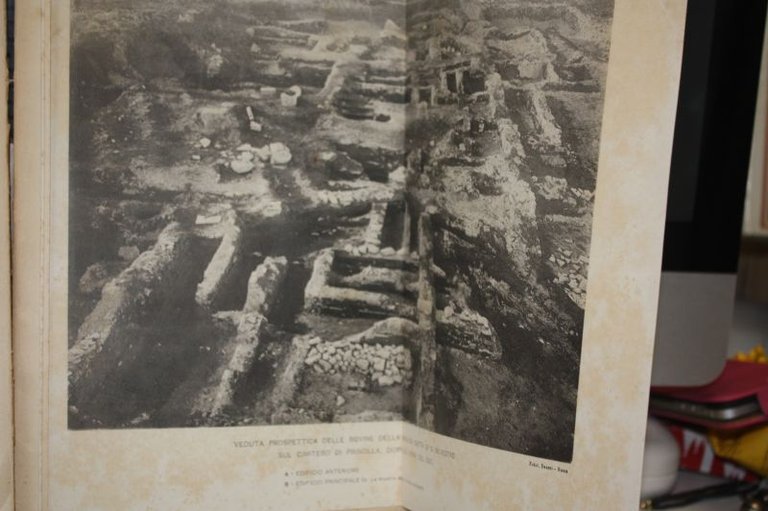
[(710, 160)]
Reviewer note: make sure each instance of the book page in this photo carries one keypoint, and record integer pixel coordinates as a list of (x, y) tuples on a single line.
[(208, 330), (559, 271), (327, 255), (6, 380)]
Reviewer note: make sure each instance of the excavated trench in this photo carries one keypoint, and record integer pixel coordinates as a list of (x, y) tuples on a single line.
[(156, 365), (150, 354), (394, 225)]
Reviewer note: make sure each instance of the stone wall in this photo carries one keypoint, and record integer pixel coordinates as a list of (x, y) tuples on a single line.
[(153, 279), (239, 356), (240, 352), (263, 285)]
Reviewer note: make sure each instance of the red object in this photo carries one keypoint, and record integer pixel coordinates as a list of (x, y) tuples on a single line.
[(697, 455), (739, 380)]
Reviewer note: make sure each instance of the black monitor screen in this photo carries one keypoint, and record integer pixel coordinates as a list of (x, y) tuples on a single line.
[(713, 134)]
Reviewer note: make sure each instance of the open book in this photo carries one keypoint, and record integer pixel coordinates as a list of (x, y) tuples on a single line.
[(332, 254)]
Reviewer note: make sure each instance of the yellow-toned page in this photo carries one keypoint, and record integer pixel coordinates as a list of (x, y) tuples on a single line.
[(6, 381), (339, 254)]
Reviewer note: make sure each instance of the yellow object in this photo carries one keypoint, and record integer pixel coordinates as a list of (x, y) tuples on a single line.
[(748, 449), (756, 354)]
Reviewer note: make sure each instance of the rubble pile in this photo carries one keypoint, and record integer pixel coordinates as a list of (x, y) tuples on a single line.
[(570, 273), (583, 194), (385, 365), (552, 188), (364, 249), (467, 330), (247, 158)]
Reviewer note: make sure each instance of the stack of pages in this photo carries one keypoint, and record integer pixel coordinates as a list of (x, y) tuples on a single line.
[(335, 254)]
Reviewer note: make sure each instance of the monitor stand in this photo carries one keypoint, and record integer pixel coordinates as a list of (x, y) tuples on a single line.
[(692, 333)]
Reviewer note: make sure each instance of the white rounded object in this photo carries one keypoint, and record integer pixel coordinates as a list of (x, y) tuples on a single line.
[(661, 461), (241, 166)]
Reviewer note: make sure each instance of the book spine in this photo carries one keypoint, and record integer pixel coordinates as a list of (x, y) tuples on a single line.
[(6, 380), (29, 252)]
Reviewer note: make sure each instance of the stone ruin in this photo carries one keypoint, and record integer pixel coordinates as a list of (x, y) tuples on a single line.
[(442, 81), (381, 355), (124, 370), (157, 282)]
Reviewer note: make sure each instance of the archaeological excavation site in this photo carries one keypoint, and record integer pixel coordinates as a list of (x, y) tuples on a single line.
[(333, 211)]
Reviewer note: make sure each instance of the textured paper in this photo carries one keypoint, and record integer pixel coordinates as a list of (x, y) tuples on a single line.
[(6, 383), (201, 469)]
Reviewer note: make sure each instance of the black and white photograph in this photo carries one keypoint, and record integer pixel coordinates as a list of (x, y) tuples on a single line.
[(333, 211)]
